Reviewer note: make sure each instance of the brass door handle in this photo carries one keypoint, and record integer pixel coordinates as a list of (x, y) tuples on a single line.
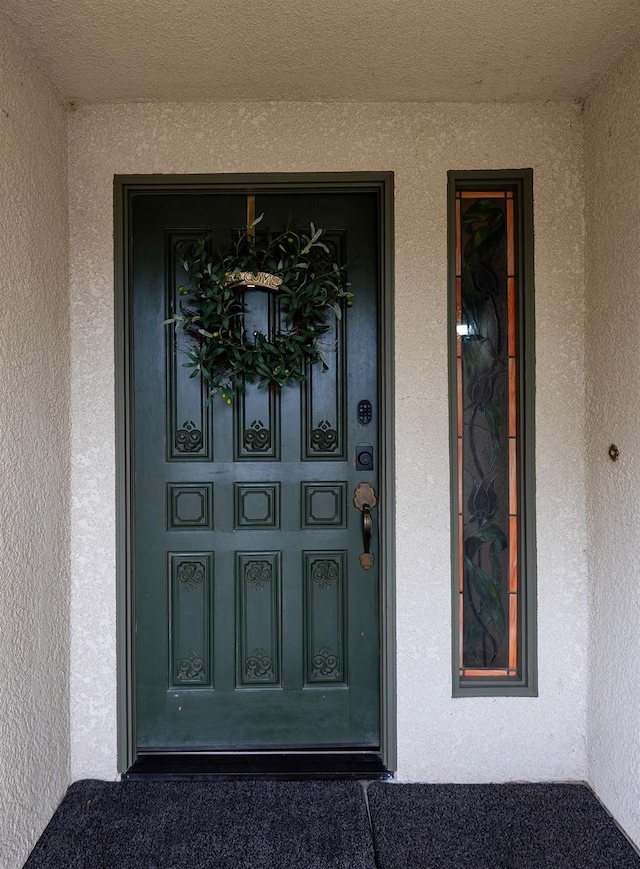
[(366, 559), (364, 498)]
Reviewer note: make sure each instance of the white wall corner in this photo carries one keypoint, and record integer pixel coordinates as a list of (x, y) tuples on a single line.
[(613, 383)]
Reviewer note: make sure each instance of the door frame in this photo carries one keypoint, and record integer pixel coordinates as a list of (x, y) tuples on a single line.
[(125, 188)]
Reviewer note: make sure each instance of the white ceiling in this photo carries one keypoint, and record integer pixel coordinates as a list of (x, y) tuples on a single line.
[(453, 50)]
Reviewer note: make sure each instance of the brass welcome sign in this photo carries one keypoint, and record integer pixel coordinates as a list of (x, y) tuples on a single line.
[(260, 279)]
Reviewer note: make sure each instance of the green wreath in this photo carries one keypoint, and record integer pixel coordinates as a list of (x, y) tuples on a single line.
[(213, 315)]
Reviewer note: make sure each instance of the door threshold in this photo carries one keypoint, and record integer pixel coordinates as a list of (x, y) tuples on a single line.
[(270, 765)]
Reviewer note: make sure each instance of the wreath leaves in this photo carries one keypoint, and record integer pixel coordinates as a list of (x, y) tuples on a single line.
[(213, 310)]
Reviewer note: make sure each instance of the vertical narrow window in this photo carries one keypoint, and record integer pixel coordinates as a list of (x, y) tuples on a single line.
[(491, 382)]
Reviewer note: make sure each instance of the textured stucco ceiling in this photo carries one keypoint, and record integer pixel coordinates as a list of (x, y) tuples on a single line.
[(455, 50)]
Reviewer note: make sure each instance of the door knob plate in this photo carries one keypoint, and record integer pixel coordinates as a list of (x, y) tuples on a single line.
[(365, 496)]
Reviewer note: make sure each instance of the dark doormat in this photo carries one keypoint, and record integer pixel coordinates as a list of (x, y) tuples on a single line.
[(244, 825), (501, 826)]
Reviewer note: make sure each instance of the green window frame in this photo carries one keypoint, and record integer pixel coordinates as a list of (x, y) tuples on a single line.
[(491, 388)]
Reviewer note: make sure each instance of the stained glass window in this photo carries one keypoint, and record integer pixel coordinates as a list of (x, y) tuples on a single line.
[(492, 430)]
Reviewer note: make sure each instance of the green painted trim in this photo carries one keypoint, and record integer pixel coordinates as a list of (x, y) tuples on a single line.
[(527, 685), (125, 187), (386, 403), (124, 615)]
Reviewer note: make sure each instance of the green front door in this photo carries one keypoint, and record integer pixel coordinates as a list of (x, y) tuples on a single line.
[(256, 626)]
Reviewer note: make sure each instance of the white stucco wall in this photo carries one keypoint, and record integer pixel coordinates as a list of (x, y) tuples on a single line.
[(34, 449), (613, 377), (440, 739)]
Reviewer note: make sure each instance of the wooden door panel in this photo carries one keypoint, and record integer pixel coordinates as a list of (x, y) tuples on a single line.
[(190, 593), (188, 422), (258, 580), (256, 625), (325, 627)]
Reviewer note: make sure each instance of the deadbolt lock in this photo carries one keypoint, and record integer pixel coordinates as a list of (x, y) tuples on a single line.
[(364, 458)]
